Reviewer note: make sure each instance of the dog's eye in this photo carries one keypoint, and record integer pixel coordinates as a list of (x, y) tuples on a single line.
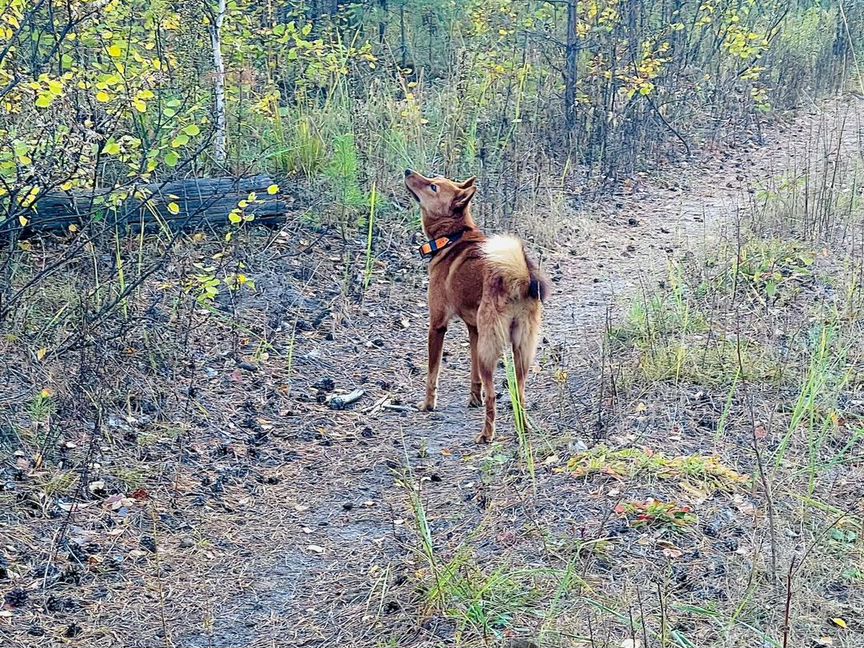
[(434, 188)]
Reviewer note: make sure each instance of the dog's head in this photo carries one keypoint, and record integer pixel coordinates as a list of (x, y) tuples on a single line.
[(443, 203)]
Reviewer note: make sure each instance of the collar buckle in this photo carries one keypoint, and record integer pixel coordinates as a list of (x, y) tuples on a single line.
[(430, 248)]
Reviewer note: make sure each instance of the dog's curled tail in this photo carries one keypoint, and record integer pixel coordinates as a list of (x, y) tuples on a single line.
[(507, 255)]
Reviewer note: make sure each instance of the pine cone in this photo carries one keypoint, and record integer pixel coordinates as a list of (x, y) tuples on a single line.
[(16, 598)]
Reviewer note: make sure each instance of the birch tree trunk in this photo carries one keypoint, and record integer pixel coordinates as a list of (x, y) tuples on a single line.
[(220, 136), (572, 51)]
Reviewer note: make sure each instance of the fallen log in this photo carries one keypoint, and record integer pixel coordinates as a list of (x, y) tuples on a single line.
[(184, 204)]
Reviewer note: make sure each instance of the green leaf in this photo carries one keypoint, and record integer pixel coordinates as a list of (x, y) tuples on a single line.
[(174, 208), (111, 148), (171, 159), (180, 141), (192, 130), (43, 101)]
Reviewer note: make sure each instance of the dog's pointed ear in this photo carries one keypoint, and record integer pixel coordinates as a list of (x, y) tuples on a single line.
[(464, 197), (470, 182)]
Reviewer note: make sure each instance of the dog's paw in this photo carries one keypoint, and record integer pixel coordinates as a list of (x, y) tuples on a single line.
[(426, 406), (475, 401), (485, 437)]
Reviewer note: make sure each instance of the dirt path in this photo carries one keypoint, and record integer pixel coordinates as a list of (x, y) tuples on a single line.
[(309, 538)]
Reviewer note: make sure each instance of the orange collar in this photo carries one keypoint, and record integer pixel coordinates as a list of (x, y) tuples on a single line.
[(430, 248)]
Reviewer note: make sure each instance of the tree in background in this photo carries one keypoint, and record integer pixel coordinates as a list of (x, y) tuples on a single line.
[(108, 94)]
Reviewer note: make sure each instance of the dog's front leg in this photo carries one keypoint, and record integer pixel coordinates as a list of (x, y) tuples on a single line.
[(436, 349)]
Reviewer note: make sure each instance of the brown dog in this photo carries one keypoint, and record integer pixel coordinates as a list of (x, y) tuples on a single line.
[(489, 283)]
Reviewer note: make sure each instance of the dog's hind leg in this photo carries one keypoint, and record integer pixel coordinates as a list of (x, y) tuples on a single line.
[(487, 376), (475, 399), (523, 336), (492, 337)]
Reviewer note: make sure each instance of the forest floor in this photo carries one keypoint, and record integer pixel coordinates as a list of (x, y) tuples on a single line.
[(693, 474)]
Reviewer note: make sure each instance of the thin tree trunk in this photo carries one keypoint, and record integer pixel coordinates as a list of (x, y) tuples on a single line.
[(402, 45), (382, 23), (220, 136), (572, 51)]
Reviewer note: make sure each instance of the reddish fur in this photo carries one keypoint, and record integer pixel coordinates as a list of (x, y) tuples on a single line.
[(500, 303)]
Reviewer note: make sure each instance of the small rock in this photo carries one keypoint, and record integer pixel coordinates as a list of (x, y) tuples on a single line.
[(577, 446), (187, 543), (721, 522)]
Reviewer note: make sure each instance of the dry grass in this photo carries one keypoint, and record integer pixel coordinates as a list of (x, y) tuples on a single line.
[(184, 482)]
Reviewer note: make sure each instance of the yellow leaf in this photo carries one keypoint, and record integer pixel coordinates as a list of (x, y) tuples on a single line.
[(273, 189), (243, 204), (174, 208), (41, 353), (23, 220), (235, 217), (840, 623), (140, 106), (73, 228), (115, 52), (103, 97)]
